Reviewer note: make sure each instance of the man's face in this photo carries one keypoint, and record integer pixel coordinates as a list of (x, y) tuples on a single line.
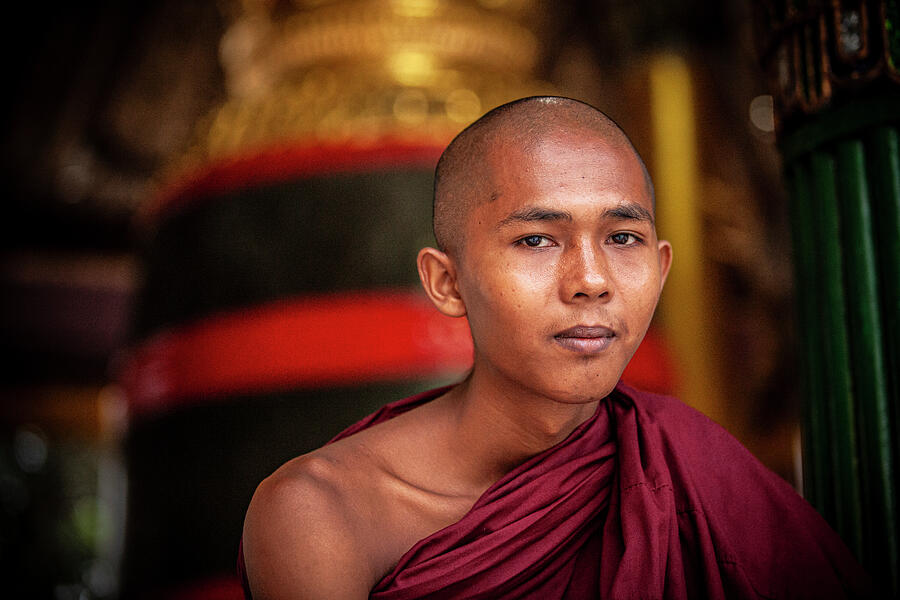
[(562, 271)]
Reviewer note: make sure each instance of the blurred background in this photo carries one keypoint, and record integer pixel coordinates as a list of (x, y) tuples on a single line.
[(201, 197)]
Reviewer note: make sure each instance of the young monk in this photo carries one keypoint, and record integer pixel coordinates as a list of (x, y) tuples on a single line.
[(540, 475)]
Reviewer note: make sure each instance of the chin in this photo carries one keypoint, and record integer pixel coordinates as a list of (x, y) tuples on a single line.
[(585, 393), (590, 384)]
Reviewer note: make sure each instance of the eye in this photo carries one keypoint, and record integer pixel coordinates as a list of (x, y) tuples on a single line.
[(624, 239), (535, 241)]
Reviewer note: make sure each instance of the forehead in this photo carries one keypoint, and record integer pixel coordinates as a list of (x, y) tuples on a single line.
[(583, 166)]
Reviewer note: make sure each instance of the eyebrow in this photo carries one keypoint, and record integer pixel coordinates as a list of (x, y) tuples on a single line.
[(529, 214), (629, 212)]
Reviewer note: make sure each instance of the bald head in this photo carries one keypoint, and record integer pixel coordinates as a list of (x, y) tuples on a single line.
[(463, 177)]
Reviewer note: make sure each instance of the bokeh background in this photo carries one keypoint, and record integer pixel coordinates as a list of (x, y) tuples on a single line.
[(210, 216)]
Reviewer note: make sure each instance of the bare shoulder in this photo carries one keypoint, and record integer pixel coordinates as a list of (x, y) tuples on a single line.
[(332, 523), (304, 534)]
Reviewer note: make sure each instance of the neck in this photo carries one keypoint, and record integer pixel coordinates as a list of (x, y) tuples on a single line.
[(498, 426)]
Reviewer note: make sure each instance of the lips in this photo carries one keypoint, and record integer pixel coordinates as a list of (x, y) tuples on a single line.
[(586, 339)]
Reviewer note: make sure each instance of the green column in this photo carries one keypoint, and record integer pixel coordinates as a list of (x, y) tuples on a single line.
[(844, 183), (832, 70)]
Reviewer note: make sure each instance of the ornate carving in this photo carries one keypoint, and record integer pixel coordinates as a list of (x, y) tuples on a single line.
[(363, 69), (816, 51)]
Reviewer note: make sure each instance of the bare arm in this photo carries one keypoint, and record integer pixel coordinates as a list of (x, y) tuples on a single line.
[(299, 540)]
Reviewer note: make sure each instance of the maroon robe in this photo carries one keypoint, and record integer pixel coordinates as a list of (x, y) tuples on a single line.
[(646, 499)]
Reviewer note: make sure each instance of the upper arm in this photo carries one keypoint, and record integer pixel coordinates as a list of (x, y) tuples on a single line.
[(299, 542)]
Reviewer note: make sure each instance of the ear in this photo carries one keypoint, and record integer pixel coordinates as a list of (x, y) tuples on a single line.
[(438, 274), (664, 254)]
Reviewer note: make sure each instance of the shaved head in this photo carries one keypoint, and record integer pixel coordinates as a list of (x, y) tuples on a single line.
[(463, 177)]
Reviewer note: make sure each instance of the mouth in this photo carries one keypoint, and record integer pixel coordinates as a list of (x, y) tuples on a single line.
[(586, 339)]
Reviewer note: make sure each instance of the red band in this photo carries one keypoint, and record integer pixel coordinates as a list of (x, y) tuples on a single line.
[(283, 163), (353, 337)]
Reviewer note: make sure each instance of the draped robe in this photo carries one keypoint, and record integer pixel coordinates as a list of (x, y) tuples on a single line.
[(646, 499)]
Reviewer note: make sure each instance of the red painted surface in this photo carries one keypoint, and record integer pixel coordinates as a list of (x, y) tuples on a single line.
[(347, 338), (651, 368), (319, 341), (283, 163), (224, 587)]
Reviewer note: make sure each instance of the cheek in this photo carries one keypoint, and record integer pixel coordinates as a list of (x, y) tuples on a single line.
[(639, 283), (503, 281), (502, 295)]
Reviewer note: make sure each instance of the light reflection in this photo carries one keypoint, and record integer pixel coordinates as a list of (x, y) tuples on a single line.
[(762, 113), (30, 449)]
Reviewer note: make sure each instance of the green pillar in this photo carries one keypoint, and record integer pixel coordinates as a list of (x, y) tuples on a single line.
[(833, 71)]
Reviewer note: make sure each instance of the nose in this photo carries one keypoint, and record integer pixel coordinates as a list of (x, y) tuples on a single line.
[(586, 274)]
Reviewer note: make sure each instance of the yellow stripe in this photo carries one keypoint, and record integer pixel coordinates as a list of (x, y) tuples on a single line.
[(683, 309)]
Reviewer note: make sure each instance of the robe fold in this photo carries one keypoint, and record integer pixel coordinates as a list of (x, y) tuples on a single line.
[(647, 499)]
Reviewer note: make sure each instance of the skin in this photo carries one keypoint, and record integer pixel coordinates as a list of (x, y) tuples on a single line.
[(562, 237)]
